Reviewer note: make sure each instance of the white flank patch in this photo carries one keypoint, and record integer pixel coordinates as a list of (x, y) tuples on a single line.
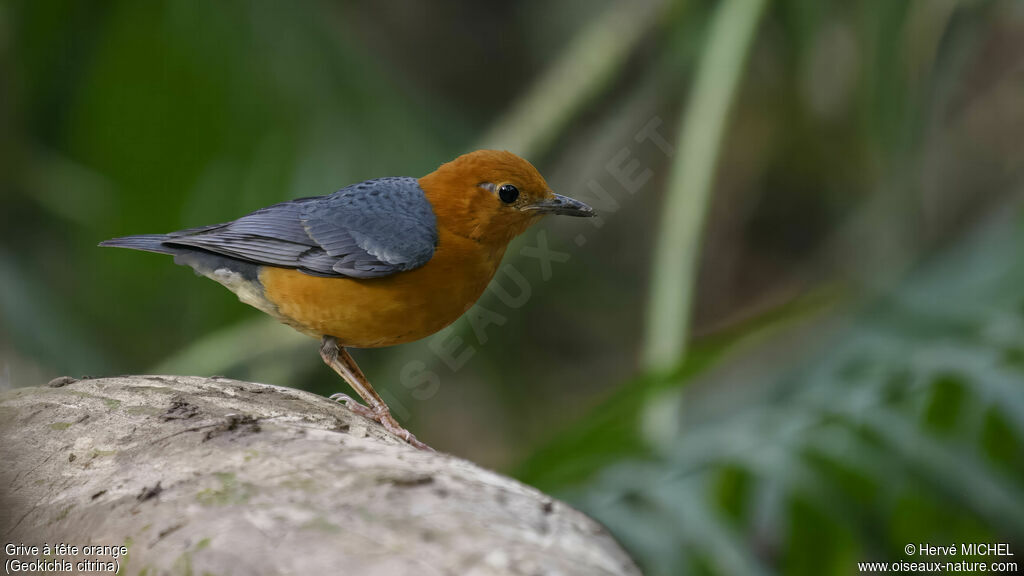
[(246, 292)]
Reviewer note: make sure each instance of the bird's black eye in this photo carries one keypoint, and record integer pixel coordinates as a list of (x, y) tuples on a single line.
[(508, 193)]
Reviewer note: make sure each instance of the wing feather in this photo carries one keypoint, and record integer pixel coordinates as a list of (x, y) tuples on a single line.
[(367, 230)]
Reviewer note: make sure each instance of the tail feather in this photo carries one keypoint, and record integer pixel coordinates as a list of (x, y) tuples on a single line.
[(146, 242), (204, 263)]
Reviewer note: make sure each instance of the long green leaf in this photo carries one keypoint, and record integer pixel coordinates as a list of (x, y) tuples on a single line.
[(733, 28)]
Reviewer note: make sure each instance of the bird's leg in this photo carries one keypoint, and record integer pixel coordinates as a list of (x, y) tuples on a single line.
[(339, 359)]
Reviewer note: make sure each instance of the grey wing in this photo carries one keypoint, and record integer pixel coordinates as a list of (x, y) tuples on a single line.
[(367, 230), (374, 228)]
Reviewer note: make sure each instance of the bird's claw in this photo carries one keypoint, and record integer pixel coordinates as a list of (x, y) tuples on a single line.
[(391, 425), (383, 417), (354, 405)]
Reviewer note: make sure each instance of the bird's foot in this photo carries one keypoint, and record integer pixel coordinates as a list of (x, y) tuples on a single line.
[(354, 405), (382, 416)]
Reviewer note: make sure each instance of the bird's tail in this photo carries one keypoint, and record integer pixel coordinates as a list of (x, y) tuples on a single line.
[(147, 242)]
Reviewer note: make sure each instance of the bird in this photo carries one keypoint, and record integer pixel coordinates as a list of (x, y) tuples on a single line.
[(378, 263)]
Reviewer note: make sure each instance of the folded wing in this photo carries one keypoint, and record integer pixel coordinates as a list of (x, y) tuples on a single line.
[(368, 230)]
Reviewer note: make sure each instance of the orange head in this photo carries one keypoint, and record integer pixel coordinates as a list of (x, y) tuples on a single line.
[(492, 196)]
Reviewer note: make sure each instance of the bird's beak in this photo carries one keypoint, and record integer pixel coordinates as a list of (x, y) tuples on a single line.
[(559, 204)]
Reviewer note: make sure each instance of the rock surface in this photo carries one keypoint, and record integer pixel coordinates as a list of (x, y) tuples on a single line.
[(216, 476)]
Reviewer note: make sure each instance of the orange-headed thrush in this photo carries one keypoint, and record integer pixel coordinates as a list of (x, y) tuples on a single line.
[(382, 262)]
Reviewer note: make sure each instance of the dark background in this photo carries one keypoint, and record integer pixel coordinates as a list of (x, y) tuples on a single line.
[(845, 358)]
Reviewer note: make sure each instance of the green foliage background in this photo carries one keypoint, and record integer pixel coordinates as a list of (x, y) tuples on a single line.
[(794, 342)]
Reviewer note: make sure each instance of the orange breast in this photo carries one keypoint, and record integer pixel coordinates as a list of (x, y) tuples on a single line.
[(385, 311)]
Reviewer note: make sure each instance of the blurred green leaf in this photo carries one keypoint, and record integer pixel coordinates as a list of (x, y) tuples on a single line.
[(731, 32), (850, 436), (589, 62)]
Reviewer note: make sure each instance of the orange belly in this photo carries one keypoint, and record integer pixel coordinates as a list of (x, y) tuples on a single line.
[(384, 311)]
